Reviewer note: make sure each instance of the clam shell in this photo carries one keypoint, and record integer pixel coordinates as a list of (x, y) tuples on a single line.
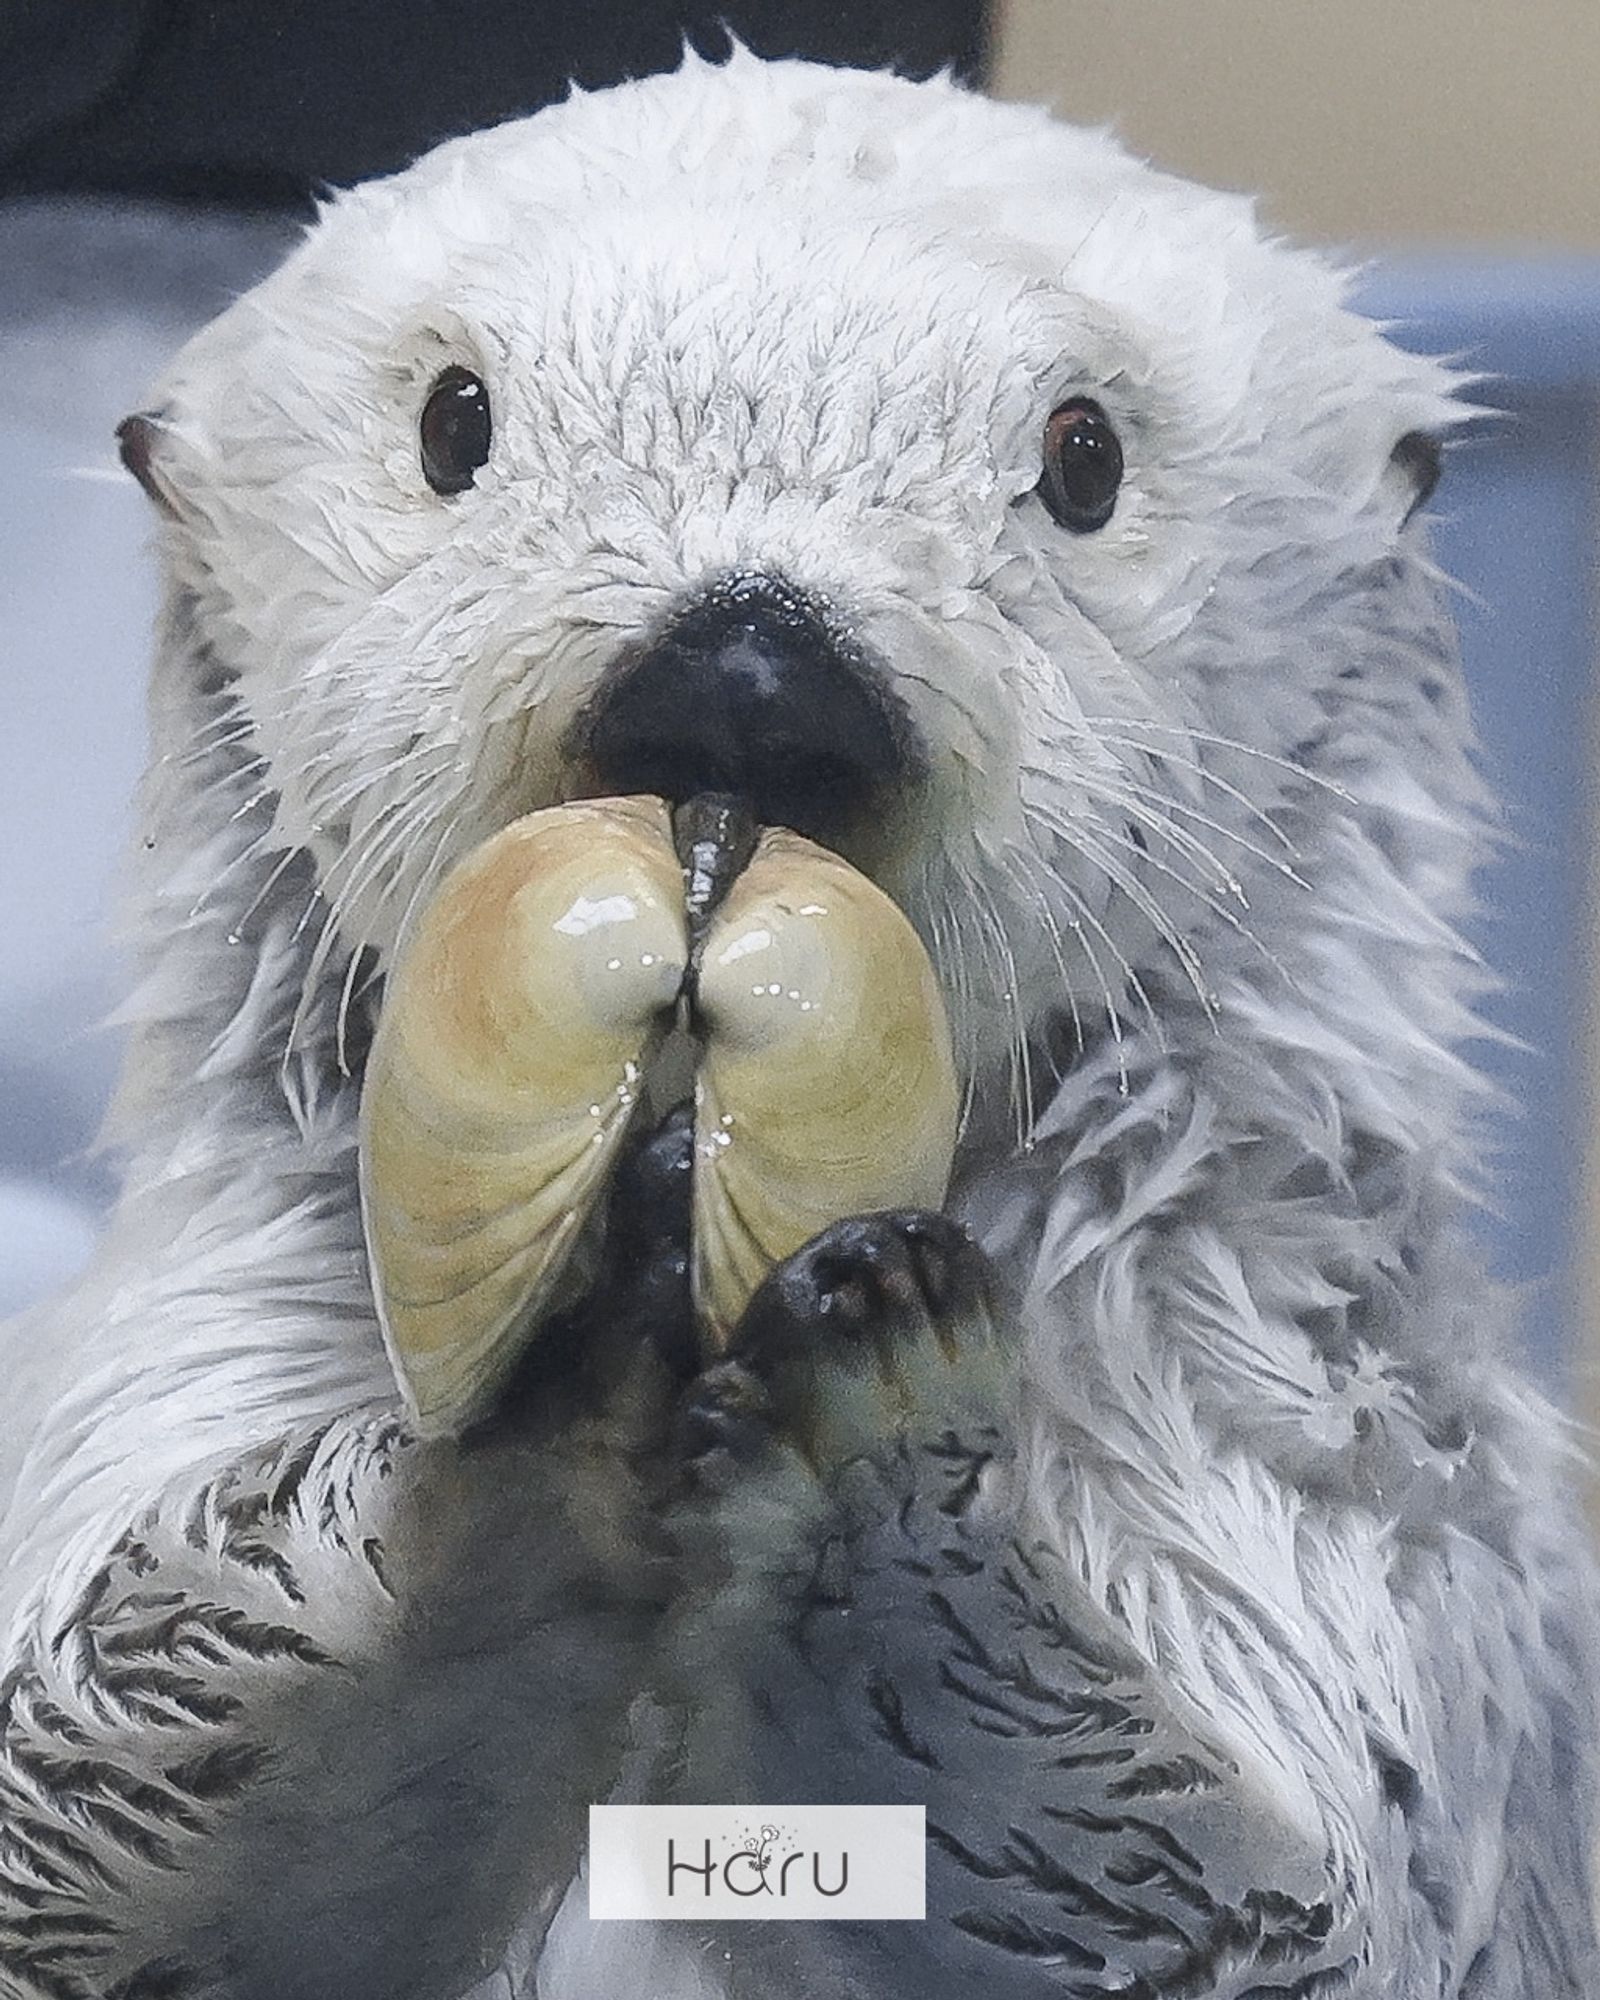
[(827, 1087), (517, 1022)]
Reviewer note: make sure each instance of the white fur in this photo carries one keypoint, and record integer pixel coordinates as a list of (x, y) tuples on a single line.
[(783, 318)]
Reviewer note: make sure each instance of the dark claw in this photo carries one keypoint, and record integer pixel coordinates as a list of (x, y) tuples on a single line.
[(880, 1325), (724, 1424), (942, 1268), (866, 1283)]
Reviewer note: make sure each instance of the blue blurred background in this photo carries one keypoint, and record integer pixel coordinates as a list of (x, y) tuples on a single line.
[(1517, 524)]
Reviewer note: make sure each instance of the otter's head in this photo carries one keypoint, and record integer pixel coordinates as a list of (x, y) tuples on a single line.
[(958, 490)]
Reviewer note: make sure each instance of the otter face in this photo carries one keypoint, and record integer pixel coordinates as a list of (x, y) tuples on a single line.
[(962, 493)]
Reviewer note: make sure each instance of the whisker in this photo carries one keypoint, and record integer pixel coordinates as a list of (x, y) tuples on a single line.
[(1086, 916), (420, 767), (255, 799), (365, 861), (1131, 808), (211, 737), (1158, 803), (341, 1019), (209, 753), (1151, 808), (1218, 909), (1178, 838), (1244, 750), (1020, 863), (1081, 922), (966, 919), (1189, 960), (1207, 776), (264, 839), (1020, 1054), (1087, 842), (425, 879), (953, 968), (1130, 978)]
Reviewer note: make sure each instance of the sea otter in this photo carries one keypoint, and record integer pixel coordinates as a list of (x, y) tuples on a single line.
[(939, 482)]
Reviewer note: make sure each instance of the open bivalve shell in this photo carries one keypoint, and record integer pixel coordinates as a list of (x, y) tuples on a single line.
[(827, 1087), (519, 1023)]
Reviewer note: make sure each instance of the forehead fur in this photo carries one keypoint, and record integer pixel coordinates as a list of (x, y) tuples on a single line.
[(826, 186)]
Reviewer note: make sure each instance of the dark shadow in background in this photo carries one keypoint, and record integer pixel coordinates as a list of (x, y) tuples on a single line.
[(262, 103)]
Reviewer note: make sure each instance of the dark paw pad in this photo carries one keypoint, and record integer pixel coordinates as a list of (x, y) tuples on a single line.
[(882, 1325), (869, 1283)]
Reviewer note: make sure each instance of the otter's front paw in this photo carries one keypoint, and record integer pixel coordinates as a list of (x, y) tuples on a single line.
[(881, 1333)]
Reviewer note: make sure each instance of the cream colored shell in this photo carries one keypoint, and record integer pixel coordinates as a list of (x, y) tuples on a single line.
[(827, 1088), (518, 1026), (507, 1064)]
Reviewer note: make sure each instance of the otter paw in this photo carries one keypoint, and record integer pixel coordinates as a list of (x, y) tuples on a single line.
[(882, 1330)]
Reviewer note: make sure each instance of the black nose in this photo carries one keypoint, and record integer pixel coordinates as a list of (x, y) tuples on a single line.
[(749, 691)]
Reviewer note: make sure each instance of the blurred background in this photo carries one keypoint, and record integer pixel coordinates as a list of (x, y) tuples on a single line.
[(156, 156), (1453, 152)]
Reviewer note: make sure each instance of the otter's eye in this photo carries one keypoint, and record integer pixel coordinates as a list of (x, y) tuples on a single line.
[(455, 431), (1082, 466)]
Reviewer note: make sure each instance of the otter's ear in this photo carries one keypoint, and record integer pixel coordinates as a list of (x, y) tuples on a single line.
[(1414, 468), (140, 443)]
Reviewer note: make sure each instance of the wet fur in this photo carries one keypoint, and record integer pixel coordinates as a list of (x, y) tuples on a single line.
[(1244, 1644)]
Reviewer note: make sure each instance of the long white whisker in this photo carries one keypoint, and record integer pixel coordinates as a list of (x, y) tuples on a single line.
[(1086, 919), (1218, 909), (1082, 922), (216, 733), (1021, 863), (420, 767), (1137, 812), (429, 868), (1244, 750), (1159, 804), (391, 827), (1088, 843), (289, 856), (1163, 804), (945, 934), (1131, 979), (1198, 770), (1151, 809), (341, 1019), (1021, 1059)]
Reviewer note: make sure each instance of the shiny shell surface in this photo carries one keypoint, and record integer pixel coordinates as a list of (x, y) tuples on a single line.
[(518, 1028)]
